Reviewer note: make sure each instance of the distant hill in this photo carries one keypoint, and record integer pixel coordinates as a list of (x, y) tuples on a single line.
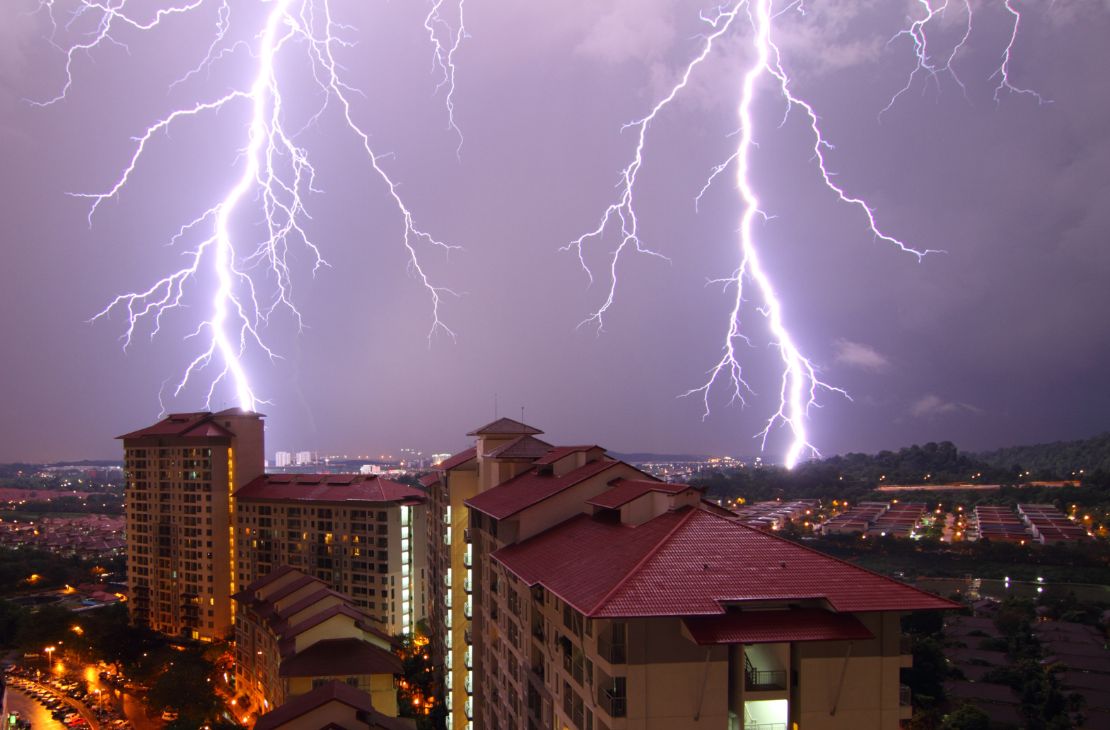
[(1058, 459), (648, 458)]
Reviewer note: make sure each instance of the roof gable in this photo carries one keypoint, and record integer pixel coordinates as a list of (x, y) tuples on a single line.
[(299, 706), (531, 487), (458, 459), (523, 447), (624, 491), (504, 427)]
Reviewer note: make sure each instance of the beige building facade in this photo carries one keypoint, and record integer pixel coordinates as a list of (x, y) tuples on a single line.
[(596, 597), (362, 535), (180, 475)]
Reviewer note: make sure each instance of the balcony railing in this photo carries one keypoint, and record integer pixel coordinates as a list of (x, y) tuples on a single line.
[(765, 726), (613, 705), (905, 696), (765, 679), (611, 652)]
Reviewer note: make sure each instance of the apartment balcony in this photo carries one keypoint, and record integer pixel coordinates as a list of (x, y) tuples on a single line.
[(765, 680), (468, 608), (468, 556), (905, 703), (612, 652), (612, 704), (468, 585), (468, 535), (905, 652)]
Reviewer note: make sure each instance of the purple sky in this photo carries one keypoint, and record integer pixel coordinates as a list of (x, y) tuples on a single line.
[(1000, 340)]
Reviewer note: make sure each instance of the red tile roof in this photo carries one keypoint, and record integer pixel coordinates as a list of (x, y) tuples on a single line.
[(298, 706), (529, 488), (341, 657), (268, 579), (182, 425), (559, 452), (768, 627), (327, 488), (625, 490), (458, 459), (523, 447), (309, 600), (291, 587), (692, 562), (504, 427)]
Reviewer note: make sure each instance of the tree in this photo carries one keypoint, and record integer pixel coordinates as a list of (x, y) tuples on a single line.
[(966, 717), (185, 687)]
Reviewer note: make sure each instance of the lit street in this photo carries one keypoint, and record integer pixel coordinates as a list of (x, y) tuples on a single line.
[(30, 710)]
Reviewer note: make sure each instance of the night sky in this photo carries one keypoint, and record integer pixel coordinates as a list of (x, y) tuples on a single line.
[(999, 340)]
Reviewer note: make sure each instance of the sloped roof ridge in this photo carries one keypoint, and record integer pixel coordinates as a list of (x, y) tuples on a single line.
[(519, 440), (496, 426), (826, 556), (648, 555)]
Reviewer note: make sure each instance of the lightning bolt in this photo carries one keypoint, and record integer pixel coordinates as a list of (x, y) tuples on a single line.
[(273, 170), (1003, 72), (800, 383), (927, 66), (443, 55)]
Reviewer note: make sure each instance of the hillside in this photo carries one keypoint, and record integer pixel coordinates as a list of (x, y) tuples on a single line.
[(1057, 460)]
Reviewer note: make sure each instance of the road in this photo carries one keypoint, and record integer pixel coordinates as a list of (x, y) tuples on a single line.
[(135, 711), (30, 710)]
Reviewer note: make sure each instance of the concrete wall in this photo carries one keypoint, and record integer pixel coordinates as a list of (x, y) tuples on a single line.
[(842, 688)]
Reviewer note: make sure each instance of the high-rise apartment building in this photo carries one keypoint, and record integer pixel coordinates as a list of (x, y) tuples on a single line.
[(363, 536), (203, 519), (586, 595), (283, 459), (180, 475)]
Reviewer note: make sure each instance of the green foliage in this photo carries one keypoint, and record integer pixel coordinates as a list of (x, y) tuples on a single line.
[(185, 687), (17, 566), (1055, 460), (926, 677), (47, 625), (12, 618), (966, 717)]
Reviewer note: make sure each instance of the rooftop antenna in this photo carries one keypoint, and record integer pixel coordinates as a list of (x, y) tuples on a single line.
[(522, 414)]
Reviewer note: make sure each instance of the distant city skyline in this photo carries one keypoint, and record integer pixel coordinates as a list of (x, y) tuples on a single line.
[(998, 341)]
